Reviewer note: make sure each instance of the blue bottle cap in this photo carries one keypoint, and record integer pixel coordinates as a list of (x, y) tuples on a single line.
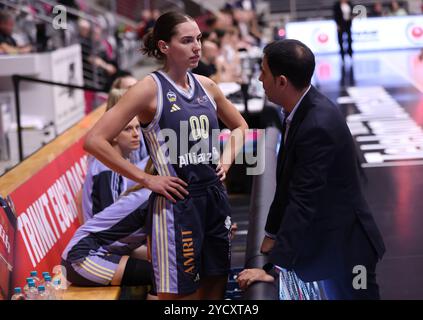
[(47, 278), (41, 288), (18, 290), (33, 273), (45, 273), (28, 280)]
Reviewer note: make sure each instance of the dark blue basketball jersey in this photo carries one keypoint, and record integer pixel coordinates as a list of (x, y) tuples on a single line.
[(102, 186), (183, 137), (117, 229)]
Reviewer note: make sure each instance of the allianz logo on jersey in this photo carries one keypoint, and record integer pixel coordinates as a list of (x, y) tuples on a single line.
[(171, 97), (198, 158)]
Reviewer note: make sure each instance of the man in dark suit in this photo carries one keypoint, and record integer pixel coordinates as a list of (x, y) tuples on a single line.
[(343, 15), (319, 224)]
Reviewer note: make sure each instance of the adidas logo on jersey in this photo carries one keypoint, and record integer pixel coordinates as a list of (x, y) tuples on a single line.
[(174, 108)]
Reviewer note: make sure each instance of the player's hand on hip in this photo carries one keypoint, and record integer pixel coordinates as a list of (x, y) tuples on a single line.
[(167, 186), (267, 245), (221, 171)]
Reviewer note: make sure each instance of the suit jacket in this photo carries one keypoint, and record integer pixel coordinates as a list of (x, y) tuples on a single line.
[(319, 215), (338, 16)]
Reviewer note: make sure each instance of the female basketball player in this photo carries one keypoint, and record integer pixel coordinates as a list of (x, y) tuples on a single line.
[(103, 186), (190, 245), (99, 252)]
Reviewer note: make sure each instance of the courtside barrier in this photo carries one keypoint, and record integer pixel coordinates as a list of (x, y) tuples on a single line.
[(262, 194), (42, 191), (17, 79), (7, 238)]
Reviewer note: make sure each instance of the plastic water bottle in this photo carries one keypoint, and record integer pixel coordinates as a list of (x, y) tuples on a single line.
[(59, 273), (42, 294), (49, 288), (43, 280), (18, 294), (34, 275), (58, 290), (26, 287), (32, 293)]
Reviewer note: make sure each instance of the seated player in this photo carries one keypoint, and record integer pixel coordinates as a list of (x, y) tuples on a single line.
[(100, 252), (102, 186)]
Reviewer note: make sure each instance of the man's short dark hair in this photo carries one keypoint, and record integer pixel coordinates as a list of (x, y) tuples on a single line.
[(291, 58)]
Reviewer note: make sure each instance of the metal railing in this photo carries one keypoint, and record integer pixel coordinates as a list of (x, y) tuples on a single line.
[(17, 79)]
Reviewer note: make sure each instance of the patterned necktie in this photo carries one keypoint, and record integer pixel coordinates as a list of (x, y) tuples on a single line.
[(282, 145)]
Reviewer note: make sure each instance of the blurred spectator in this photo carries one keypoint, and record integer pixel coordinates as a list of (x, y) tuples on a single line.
[(210, 35), (223, 20), (396, 9), (210, 23), (156, 14), (230, 44), (104, 57), (84, 30), (343, 15), (207, 64), (8, 44), (377, 10), (246, 21), (148, 19), (246, 4), (96, 59), (143, 25)]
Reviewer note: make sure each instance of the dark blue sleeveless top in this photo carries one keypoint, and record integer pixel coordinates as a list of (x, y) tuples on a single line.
[(183, 138)]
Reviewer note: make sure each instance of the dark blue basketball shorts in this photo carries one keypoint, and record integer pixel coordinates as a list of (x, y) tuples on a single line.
[(190, 240)]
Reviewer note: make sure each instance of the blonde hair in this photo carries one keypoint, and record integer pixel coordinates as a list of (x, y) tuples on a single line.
[(118, 83), (114, 96)]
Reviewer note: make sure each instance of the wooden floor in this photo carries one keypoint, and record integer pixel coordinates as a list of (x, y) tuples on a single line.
[(94, 293), (389, 138)]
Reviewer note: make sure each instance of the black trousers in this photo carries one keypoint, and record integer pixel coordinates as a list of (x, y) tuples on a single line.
[(345, 28), (341, 288), (358, 280)]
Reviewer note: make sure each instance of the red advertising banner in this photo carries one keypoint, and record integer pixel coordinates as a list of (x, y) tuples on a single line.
[(7, 236), (47, 214)]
